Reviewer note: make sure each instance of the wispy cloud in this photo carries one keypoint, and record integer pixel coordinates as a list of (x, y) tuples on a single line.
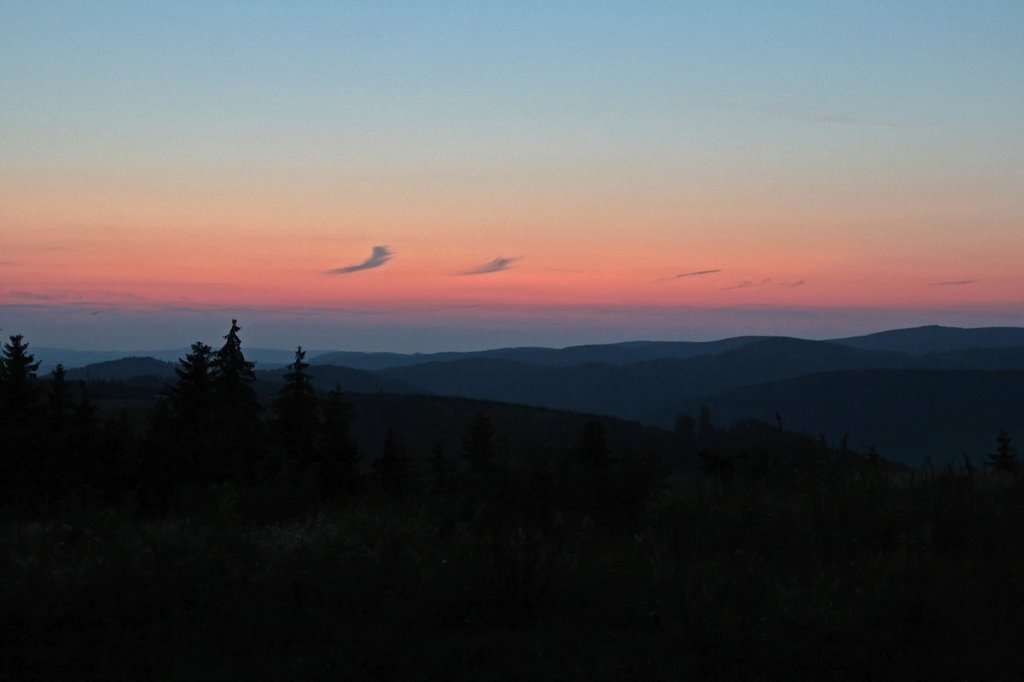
[(695, 273), (794, 284), (380, 256), (954, 283), (749, 283), (30, 295), (496, 265)]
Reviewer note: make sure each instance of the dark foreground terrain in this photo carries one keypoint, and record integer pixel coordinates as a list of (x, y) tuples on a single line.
[(212, 537), (856, 577)]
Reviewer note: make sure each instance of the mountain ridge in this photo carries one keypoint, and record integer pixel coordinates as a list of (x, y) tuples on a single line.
[(928, 339)]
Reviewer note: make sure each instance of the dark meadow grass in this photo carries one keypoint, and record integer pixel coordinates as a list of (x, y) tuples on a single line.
[(864, 574)]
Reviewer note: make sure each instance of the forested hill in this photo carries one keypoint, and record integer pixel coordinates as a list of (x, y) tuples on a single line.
[(124, 369), (608, 354), (934, 338), (954, 394)]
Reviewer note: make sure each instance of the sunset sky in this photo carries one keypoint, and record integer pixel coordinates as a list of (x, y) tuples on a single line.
[(427, 175)]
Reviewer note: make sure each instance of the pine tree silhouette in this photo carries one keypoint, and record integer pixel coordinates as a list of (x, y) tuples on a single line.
[(57, 399), (478, 443), (337, 453), (593, 444), (686, 429), (19, 438), (296, 407), (705, 428), (441, 469), (57, 448), (192, 395), (1005, 457), (392, 466), (18, 392), (235, 413), (233, 375)]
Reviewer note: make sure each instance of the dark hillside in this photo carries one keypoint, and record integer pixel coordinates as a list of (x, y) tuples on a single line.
[(978, 358), (638, 389), (123, 369), (423, 421), (908, 415), (935, 338), (609, 354), (328, 377)]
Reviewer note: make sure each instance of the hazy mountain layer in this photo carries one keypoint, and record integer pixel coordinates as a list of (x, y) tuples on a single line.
[(932, 397), (908, 415)]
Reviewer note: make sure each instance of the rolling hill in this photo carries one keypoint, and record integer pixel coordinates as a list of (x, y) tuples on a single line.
[(907, 414), (932, 389), (936, 339), (634, 390)]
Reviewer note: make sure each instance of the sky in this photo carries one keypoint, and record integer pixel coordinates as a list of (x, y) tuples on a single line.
[(429, 176)]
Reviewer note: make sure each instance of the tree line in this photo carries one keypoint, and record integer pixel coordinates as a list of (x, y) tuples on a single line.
[(208, 437), (214, 536)]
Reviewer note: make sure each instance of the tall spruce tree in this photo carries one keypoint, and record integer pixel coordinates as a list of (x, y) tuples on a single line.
[(1004, 459), (18, 367), (441, 469), (233, 374), (57, 398), (392, 466), (337, 453), (57, 449), (296, 407), (235, 413), (192, 394), (18, 415), (182, 430), (478, 443), (593, 447)]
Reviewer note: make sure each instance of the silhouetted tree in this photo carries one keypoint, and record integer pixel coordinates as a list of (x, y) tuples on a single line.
[(19, 465), (296, 406), (166, 464), (441, 469), (337, 453), (968, 465), (81, 464), (233, 375), (392, 466), (17, 378), (593, 446), (57, 399), (182, 440), (235, 412), (1005, 457), (705, 429), (192, 395), (57, 447), (478, 443), (686, 429)]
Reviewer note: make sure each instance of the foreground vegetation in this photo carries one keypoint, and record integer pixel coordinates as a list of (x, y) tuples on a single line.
[(897, 576), (126, 556)]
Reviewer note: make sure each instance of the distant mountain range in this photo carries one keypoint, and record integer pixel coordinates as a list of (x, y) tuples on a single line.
[(907, 414), (123, 369), (267, 358), (936, 339), (914, 341), (912, 393)]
